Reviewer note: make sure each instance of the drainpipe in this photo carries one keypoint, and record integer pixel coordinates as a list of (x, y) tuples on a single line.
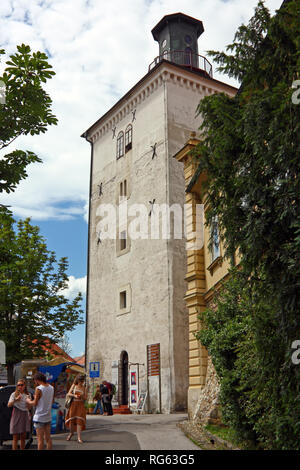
[(85, 135)]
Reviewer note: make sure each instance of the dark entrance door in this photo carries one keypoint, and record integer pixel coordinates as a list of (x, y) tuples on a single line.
[(123, 378)]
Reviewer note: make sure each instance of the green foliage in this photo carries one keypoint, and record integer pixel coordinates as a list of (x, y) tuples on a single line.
[(89, 405), (224, 330), (27, 110), (259, 385), (225, 433), (250, 153), (32, 304), (13, 168)]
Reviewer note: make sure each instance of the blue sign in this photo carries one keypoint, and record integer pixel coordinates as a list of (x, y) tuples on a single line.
[(94, 370)]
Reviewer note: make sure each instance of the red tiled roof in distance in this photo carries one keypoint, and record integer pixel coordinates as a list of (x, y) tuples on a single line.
[(55, 350), (80, 360)]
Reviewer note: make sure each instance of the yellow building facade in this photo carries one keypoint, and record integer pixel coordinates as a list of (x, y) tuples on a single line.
[(206, 268)]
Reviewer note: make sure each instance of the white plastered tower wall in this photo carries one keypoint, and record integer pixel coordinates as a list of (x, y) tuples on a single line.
[(157, 311)]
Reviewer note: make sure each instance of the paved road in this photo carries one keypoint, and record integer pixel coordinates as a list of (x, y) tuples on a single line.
[(128, 432)]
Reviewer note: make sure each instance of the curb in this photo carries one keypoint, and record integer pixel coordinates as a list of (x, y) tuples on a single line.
[(220, 441), (203, 438)]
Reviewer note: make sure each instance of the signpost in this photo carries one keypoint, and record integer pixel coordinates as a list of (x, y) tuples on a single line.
[(94, 373), (94, 370)]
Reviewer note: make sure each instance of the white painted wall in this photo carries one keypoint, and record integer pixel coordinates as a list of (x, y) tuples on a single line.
[(153, 270)]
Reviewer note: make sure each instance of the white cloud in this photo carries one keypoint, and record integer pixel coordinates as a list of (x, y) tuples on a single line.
[(99, 50), (75, 285)]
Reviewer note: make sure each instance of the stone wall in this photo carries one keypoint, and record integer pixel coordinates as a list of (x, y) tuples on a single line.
[(207, 409)]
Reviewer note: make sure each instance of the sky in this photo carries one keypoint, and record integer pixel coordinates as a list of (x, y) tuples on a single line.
[(98, 49)]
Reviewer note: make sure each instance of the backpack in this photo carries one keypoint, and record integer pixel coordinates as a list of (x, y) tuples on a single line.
[(113, 389), (103, 389)]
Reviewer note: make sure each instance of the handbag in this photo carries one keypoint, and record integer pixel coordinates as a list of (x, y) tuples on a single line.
[(68, 402)]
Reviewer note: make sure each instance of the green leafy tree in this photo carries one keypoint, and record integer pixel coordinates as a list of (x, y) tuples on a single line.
[(250, 153), (241, 335), (32, 304), (25, 109)]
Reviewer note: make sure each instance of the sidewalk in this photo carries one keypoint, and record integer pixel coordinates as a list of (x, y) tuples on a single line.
[(153, 432), (127, 432)]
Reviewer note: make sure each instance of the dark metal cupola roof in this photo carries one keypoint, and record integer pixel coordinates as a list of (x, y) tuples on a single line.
[(177, 35), (177, 18)]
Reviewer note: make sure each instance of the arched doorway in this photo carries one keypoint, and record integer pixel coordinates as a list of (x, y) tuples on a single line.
[(123, 379)]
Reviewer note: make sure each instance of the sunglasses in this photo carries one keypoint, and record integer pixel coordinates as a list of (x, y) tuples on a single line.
[(21, 385)]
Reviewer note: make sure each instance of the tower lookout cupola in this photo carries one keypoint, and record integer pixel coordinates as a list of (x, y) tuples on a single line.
[(177, 35)]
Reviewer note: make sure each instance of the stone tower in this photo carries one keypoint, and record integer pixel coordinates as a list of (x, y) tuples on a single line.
[(137, 321)]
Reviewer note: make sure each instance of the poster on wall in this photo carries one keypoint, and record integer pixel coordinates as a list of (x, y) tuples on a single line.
[(133, 397), (133, 381)]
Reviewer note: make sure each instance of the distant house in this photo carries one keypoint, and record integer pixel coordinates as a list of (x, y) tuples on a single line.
[(52, 349), (53, 355), (80, 360)]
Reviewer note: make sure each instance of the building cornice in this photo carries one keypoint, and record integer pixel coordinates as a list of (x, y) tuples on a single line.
[(164, 72)]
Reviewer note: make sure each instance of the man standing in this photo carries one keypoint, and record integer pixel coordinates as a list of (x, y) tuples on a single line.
[(107, 397), (43, 399)]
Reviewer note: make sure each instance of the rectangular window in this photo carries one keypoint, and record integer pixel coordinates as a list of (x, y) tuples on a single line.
[(215, 239), (123, 299), (123, 240), (123, 188), (120, 145), (128, 138)]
